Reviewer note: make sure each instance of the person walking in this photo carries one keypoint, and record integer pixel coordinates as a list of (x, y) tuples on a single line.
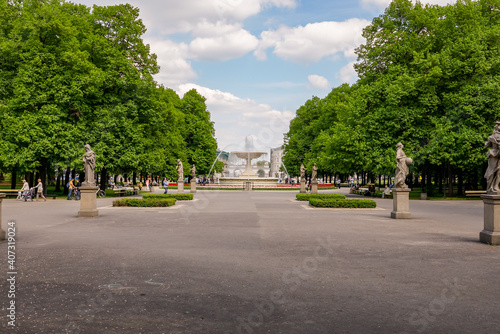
[(39, 190), (165, 185), (77, 188), (24, 190), (70, 188)]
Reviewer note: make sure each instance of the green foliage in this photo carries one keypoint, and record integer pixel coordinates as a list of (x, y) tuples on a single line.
[(198, 133), (137, 202), (179, 197), (345, 203), (429, 77), (71, 75), (306, 197)]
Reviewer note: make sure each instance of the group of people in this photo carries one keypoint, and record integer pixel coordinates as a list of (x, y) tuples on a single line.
[(26, 193)]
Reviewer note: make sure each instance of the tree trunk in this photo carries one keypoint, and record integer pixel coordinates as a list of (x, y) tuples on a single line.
[(440, 176), (460, 182), (451, 180), (13, 180), (483, 180), (58, 180), (66, 180), (104, 179), (134, 177), (42, 174)]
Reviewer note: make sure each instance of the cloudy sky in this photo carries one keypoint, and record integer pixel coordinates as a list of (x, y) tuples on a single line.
[(255, 61)]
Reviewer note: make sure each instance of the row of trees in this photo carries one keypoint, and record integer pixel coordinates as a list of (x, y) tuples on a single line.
[(71, 75), (429, 77)]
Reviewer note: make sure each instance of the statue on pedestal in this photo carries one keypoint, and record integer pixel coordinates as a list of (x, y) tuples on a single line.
[(302, 172), (314, 176), (89, 166), (492, 173), (402, 170), (193, 172), (180, 170)]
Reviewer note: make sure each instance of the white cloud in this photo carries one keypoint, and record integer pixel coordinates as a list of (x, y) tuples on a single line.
[(174, 68), (181, 16), (348, 74), (237, 118), (220, 41), (382, 4), (317, 81), (310, 43)]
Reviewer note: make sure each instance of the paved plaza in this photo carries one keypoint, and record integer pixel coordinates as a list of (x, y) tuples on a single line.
[(251, 262)]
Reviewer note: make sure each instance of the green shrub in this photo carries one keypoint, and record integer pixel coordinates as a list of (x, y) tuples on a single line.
[(306, 197), (342, 203), (148, 203), (179, 197)]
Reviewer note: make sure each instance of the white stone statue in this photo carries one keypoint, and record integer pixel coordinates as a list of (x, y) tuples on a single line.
[(492, 173), (302, 172), (314, 176), (89, 166), (180, 170), (402, 170), (193, 172)]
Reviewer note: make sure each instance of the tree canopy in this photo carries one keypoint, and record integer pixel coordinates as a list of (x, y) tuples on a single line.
[(71, 75), (429, 77)]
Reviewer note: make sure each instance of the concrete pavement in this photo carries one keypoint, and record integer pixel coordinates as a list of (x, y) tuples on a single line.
[(251, 262)]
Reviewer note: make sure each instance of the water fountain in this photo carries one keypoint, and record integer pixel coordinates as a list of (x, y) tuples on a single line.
[(248, 154)]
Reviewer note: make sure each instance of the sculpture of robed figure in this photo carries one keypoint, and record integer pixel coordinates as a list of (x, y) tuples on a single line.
[(302, 172), (180, 170), (492, 173), (89, 166), (314, 176), (402, 170)]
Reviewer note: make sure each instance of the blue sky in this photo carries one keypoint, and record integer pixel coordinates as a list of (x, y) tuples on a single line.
[(255, 61)]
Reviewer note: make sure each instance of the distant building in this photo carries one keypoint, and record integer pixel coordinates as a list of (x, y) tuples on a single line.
[(277, 162)]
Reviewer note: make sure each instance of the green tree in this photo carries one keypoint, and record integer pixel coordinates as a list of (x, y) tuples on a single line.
[(199, 132)]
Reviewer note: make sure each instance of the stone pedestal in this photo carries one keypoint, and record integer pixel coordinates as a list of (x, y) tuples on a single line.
[(193, 185), (88, 202), (2, 232), (302, 186), (491, 232), (314, 187), (180, 187), (401, 203), (248, 185)]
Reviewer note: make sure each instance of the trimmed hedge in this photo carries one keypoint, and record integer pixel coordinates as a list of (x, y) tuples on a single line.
[(343, 203), (148, 203), (179, 197), (306, 197)]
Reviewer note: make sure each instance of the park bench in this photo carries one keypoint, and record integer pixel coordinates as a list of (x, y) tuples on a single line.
[(9, 192), (120, 192), (131, 190), (472, 193)]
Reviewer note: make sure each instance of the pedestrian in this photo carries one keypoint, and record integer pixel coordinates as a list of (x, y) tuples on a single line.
[(165, 185), (70, 186), (77, 188), (387, 192), (39, 190), (24, 190)]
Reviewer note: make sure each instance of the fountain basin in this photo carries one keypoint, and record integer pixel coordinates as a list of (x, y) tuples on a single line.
[(256, 181)]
